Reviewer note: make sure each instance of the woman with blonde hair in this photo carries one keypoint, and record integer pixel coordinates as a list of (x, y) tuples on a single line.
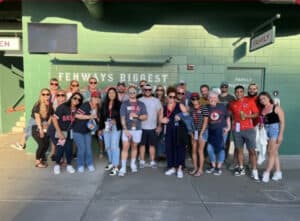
[(42, 112), (60, 99)]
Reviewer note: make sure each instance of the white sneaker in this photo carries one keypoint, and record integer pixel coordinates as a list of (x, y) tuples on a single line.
[(179, 174), (255, 175), (266, 177), (108, 167), (133, 168), (170, 172), (56, 169), (277, 176), (17, 146), (122, 172), (91, 168), (142, 164), (114, 171), (80, 169), (70, 169), (153, 164)]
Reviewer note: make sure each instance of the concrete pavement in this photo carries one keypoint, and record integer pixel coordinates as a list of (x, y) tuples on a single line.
[(29, 194)]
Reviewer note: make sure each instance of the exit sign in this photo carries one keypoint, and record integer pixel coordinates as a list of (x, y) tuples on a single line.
[(9, 44)]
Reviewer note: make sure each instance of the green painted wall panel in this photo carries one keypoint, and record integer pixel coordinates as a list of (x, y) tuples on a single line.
[(11, 90), (199, 39)]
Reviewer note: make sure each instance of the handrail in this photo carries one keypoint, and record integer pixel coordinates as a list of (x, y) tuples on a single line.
[(15, 107)]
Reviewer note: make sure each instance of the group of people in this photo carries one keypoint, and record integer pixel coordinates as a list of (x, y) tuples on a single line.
[(164, 121)]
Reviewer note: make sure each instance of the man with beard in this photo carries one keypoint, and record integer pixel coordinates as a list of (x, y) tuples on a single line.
[(121, 89), (225, 98), (252, 95)]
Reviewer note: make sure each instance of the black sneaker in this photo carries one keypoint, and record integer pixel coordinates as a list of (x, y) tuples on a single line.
[(210, 170), (217, 172), (239, 171)]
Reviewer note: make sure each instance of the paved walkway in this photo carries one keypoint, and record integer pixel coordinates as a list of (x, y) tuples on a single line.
[(29, 194)]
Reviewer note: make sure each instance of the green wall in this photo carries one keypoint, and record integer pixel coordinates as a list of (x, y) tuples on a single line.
[(198, 34), (11, 89)]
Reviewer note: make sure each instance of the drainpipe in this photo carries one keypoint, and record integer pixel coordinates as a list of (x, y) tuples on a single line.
[(95, 8), (281, 1)]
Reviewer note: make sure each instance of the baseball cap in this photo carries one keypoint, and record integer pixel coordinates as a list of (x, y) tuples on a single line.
[(224, 83), (121, 83), (95, 94), (182, 82), (195, 94)]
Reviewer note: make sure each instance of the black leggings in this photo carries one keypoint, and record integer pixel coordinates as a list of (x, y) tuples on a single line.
[(43, 144)]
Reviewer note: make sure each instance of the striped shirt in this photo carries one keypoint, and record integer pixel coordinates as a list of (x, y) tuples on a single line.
[(198, 115)]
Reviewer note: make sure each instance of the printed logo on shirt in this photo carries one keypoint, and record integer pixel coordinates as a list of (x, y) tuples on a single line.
[(214, 116)]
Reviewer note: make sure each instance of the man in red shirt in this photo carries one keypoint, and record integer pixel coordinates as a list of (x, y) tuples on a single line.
[(244, 111)]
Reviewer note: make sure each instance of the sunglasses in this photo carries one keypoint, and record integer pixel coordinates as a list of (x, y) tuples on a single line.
[(76, 98), (224, 87), (93, 82), (75, 85), (56, 84), (179, 93), (46, 94), (132, 92), (171, 97), (147, 89), (142, 85), (60, 95), (194, 98)]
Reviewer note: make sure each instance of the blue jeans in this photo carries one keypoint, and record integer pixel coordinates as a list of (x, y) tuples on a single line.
[(212, 155), (67, 149), (84, 150), (112, 142)]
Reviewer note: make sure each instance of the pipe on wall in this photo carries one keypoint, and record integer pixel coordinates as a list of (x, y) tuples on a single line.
[(281, 1)]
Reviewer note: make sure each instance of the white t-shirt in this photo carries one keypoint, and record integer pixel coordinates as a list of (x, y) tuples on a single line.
[(153, 105)]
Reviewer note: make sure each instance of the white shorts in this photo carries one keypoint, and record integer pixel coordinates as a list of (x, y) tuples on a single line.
[(136, 136)]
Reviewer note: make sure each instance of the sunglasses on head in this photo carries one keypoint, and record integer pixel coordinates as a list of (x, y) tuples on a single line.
[(60, 95), (45, 94), (76, 98), (93, 82), (171, 97), (52, 83)]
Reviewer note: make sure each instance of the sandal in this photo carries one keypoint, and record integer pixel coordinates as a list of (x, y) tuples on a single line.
[(40, 165), (199, 173), (193, 172)]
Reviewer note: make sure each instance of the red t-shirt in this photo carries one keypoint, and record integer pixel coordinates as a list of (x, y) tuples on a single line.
[(248, 107), (254, 99)]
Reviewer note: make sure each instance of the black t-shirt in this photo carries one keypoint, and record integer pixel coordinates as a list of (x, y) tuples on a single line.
[(65, 116), (36, 109), (80, 125)]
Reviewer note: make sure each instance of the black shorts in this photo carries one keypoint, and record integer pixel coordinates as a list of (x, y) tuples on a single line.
[(149, 138)]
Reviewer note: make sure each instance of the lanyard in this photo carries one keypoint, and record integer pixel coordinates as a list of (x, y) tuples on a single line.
[(169, 112)]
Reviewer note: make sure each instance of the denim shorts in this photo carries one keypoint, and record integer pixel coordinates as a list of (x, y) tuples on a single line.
[(204, 135), (272, 130)]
